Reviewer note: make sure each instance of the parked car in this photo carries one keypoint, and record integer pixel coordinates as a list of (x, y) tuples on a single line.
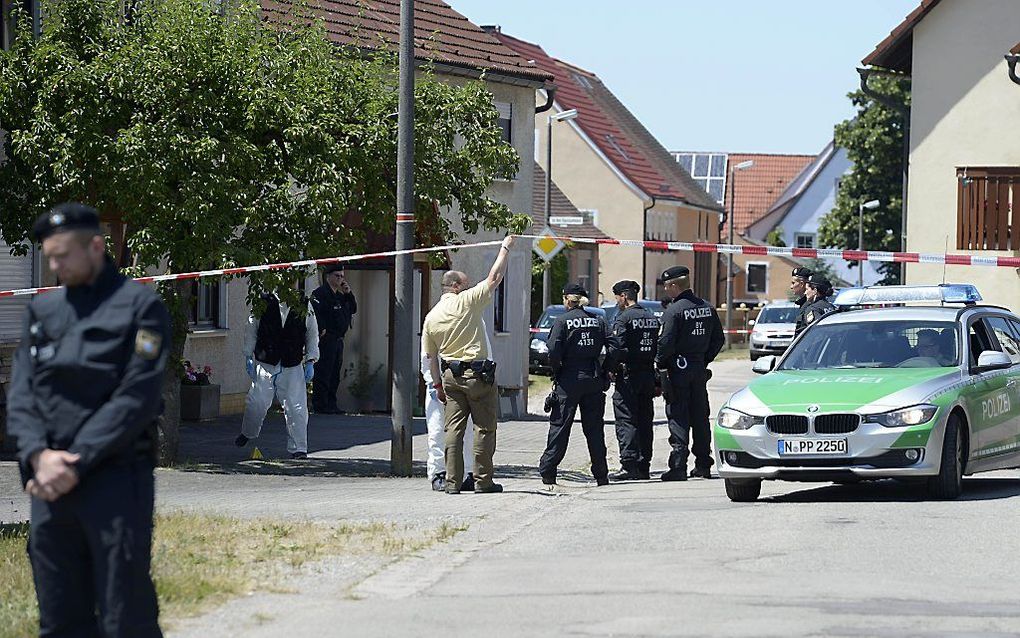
[(773, 330), (538, 358), (654, 307), (868, 392)]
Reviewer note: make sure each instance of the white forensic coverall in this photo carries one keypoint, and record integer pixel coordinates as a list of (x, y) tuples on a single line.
[(286, 384), (435, 420)]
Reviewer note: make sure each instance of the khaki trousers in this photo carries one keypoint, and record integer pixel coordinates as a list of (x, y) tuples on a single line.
[(467, 395)]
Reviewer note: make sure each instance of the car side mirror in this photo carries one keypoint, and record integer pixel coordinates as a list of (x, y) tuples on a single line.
[(751, 322), (993, 360), (764, 365)]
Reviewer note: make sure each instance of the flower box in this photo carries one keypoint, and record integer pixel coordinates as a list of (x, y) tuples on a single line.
[(200, 402)]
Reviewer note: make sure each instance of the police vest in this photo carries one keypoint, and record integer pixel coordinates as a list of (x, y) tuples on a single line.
[(278, 342)]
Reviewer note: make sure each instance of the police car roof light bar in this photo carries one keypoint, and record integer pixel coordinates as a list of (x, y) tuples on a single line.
[(878, 295)]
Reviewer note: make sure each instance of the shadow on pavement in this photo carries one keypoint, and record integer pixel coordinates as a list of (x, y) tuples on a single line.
[(885, 491)]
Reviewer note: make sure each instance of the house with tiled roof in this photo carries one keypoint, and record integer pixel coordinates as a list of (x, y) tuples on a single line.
[(964, 145), (457, 51), (605, 161), (750, 193)]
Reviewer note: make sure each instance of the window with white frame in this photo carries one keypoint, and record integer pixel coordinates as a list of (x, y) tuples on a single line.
[(506, 112), (757, 278), (708, 171), (804, 240), (207, 309)]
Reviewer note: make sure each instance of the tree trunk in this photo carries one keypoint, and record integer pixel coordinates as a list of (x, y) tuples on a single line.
[(177, 296)]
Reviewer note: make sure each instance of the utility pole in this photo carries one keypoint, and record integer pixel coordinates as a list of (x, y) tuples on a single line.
[(404, 321)]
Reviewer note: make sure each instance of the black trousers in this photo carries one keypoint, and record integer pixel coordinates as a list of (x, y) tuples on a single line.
[(90, 552), (688, 410), (328, 370), (593, 405), (634, 411)]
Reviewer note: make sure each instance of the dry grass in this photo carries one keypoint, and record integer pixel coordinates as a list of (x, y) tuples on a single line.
[(200, 561)]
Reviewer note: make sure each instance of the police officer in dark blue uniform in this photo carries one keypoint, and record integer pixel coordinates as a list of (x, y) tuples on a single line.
[(85, 396), (632, 346), (335, 306), (690, 338), (798, 284), (816, 305), (575, 344)]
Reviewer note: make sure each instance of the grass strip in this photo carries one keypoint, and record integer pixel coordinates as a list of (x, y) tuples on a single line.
[(201, 561)]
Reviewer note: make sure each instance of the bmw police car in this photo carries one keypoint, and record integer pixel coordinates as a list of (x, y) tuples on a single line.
[(911, 391)]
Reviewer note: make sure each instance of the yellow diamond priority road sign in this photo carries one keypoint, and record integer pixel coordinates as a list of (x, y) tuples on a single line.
[(547, 245)]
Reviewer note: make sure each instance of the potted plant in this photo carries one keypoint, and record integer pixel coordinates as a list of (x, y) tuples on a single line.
[(200, 398)]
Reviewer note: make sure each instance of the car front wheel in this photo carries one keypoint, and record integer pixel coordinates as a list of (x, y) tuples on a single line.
[(743, 490), (948, 484)]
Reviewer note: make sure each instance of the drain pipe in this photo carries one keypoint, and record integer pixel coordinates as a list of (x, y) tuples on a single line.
[(550, 93), (904, 110), (644, 251), (1011, 60)]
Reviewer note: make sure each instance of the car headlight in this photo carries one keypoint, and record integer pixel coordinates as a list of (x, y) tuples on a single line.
[(735, 420), (914, 415), (539, 346)]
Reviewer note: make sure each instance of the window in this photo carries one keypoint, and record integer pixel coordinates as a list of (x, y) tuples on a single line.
[(205, 304), (979, 341), (506, 111), (1007, 341), (757, 278), (986, 201), (499, 308), (708, 171), (804, 240)]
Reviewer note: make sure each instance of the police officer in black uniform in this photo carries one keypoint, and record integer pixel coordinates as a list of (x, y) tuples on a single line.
[(85, 395), (798, 284), (631, 347), (334, 306), (816, 305), (575, 343), (691, 336)]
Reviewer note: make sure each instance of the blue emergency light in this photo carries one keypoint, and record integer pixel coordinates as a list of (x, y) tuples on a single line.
[(879, 295)]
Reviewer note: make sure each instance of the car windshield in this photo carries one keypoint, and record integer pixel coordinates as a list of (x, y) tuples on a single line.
[(548, 318), (779, 314), (875, 344)]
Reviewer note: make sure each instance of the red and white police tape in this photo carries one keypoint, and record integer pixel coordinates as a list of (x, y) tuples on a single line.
[(697, 247)]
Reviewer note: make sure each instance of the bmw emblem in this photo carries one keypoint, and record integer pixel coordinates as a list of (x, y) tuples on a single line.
[(813, 408)]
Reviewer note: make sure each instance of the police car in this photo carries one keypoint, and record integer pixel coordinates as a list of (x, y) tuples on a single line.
[(907, 391)]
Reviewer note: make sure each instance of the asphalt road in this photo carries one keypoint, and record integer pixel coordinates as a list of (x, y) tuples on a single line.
[(668, 559)]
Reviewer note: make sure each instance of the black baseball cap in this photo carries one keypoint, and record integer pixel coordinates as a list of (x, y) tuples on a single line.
[(621, 287), (802, 273), (66, 217), (675, 272), (575, 289), (819, 282), (332, 268)]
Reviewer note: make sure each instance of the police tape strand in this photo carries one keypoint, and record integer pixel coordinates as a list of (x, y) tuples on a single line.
[(697, 247)]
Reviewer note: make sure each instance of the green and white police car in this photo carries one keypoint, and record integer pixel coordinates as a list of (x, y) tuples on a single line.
[(903, 390)]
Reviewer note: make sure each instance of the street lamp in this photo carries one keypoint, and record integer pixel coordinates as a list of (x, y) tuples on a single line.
[(559, 117), (872, 205), (729, 256)]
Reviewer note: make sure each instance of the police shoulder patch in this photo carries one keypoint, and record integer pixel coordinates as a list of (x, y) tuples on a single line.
[(148, 344), (810, 317)]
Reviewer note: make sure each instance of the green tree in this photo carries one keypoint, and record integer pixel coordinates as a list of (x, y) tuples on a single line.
[(873, 140), (211, 138), (775, 237)]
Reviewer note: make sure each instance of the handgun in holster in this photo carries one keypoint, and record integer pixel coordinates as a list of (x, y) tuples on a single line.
[(550, 400), (662, 378)]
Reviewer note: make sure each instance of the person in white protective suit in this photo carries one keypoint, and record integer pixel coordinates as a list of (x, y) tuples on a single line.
[(280, 349), (435, 420)]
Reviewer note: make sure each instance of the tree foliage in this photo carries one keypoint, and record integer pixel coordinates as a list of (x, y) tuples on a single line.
[(873, 140), (775, 237), (216, 138)]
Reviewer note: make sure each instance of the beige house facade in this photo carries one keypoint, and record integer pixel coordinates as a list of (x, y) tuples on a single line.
[(964, 169)]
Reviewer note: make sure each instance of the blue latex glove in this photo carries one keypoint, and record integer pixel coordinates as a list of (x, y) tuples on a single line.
[(249, 366), (309, 371)]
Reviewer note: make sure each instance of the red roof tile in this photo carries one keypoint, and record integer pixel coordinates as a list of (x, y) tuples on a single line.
[(758, 187), (613, 129), (441, 34), (896, 51)]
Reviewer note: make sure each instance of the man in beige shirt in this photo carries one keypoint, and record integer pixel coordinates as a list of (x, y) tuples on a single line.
[(454, 337)]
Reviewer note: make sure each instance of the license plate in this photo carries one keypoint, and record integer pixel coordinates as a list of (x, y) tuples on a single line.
[(778, 344), (804, 447)]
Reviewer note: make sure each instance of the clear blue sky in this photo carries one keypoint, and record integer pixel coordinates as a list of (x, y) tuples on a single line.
[(713, 75)]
